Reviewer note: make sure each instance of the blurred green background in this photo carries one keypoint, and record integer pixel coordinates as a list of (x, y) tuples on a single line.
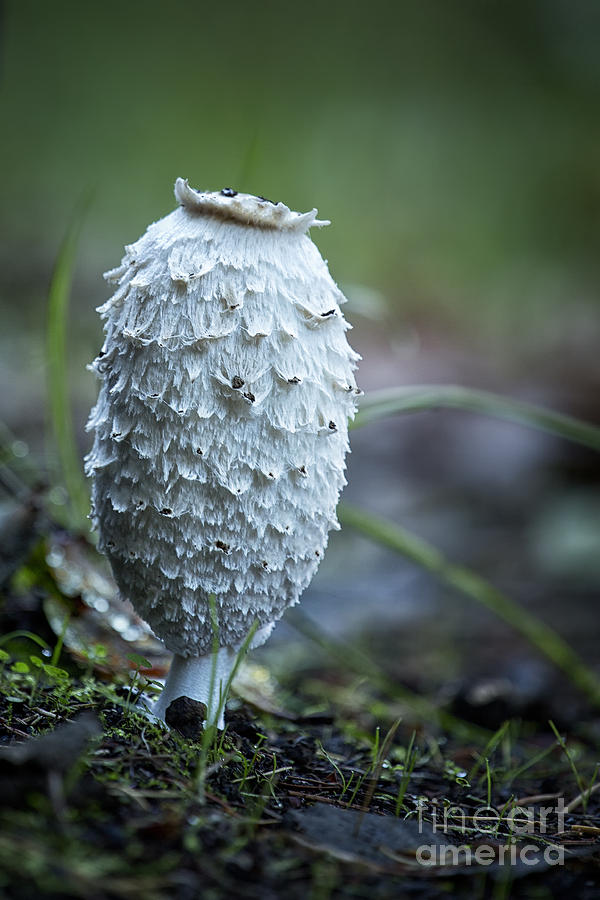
[(454, 145)]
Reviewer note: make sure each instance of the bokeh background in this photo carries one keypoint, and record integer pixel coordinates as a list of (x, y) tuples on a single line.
[(455, 147)]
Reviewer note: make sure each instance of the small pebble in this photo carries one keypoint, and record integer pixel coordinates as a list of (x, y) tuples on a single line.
[(187, 717)]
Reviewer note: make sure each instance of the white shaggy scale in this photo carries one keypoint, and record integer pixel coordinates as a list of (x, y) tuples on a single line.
[(221, 423)]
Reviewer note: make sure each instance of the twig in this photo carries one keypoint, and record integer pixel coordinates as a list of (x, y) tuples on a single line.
[(580, 798)]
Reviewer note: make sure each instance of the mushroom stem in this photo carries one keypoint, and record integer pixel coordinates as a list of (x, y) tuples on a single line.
[(192, 676)]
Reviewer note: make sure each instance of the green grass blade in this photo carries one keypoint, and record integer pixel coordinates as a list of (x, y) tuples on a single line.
[(353, 659), (472, 585), (532, 761), (410, 759), (565, 750), (214, 623), (487, 752), (57, 355), (21, 633), (417, 398)]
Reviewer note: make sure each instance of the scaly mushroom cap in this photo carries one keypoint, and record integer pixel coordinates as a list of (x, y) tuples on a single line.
[(221, 422)]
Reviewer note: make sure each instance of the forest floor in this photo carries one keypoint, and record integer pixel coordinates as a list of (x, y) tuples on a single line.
[(329, 783)]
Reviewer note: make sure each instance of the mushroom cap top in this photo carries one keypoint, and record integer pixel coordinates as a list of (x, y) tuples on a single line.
[(244, 208)]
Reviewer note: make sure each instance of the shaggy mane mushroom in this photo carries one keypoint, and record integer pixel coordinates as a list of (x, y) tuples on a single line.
[(220, 430)]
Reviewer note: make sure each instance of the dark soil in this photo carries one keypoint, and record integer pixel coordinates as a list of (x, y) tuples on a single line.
[(330, 786), (111, 806)]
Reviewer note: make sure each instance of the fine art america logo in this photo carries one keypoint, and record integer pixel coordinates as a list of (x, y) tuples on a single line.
[(506, 850)]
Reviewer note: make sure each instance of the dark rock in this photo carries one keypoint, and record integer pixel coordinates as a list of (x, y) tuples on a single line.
[(187, 717)]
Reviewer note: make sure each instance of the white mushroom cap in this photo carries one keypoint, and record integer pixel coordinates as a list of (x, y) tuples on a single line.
[(246, 209), (221, 423)]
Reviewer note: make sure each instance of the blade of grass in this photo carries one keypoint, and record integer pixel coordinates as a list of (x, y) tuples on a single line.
[(417, 398), (354, 660), (240, 656), (529, 764), (565, 750), (211, 719), (488, 777), (376, 773), (57, 356), (210, 732), (584, 797), (29, 635), (487, 751), (540, 635), (410, 759), (60, 641)]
